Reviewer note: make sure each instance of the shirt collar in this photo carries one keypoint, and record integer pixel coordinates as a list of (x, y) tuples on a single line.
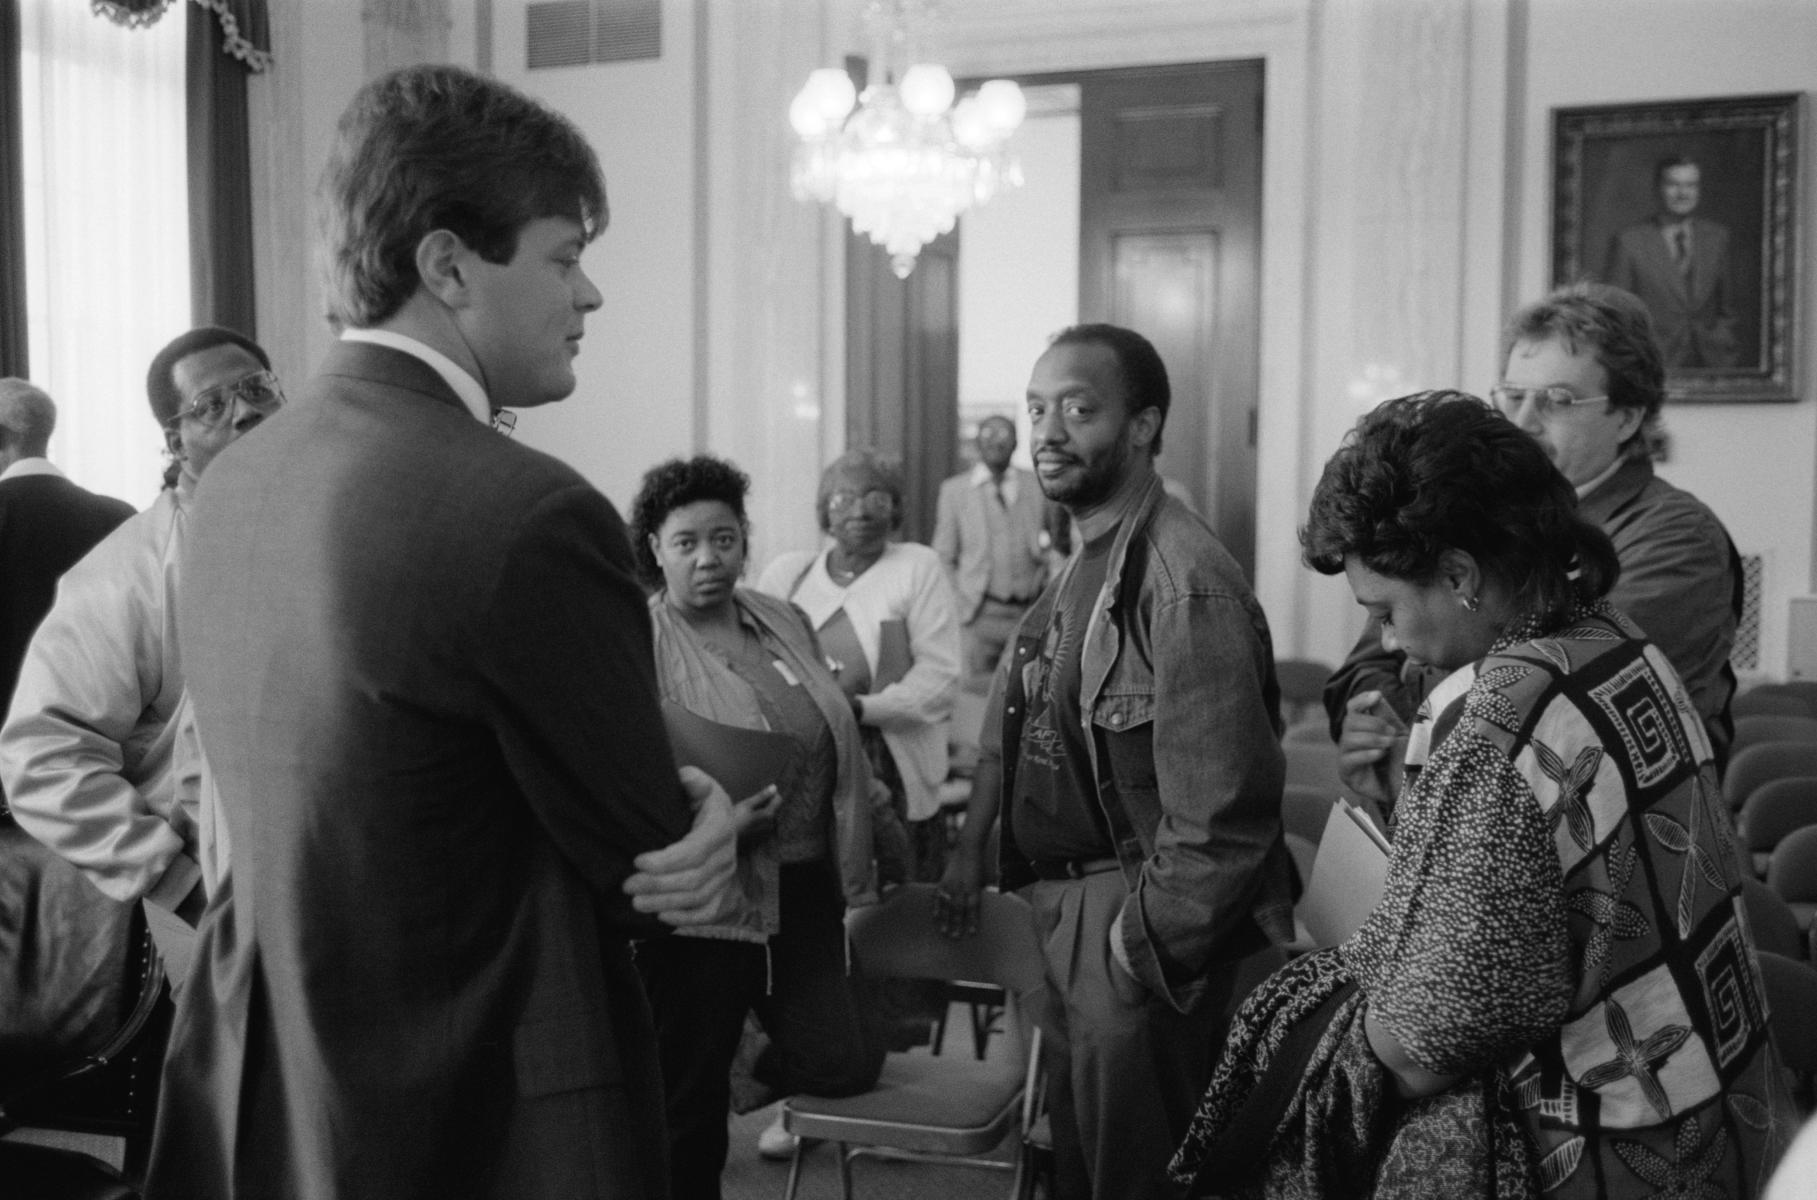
[(1586, 488), (30, 466), (471, 394), (981, 476)]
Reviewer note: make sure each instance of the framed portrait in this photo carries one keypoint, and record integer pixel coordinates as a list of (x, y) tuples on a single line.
[(1691, 206)]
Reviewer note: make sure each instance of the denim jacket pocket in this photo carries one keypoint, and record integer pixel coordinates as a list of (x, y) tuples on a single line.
[(1122, 712)]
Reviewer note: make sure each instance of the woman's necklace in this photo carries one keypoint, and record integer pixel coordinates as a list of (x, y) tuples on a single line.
[(846, 576)]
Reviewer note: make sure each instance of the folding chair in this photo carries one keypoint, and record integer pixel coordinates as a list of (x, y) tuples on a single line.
[(1759, 729), (1774, 926), (1774, 809), (1792, 1015), (1757, 764), (1758, 702), (938, 1109), (1792, 873)]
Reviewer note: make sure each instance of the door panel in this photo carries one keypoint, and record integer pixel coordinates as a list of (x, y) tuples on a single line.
[(1170, 221)]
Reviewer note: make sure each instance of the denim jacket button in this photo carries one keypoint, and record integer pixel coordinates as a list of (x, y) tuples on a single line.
[(1116, 718)]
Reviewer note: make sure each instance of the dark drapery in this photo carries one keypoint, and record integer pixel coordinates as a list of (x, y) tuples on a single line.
[(224, 47), (13, 356)]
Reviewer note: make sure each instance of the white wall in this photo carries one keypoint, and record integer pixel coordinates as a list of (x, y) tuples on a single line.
[(1019, 267), (634, 405)]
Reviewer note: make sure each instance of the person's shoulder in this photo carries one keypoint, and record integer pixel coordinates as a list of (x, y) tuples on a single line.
[(1186, 554), (1666, 502), (912, 556), (782, 571)]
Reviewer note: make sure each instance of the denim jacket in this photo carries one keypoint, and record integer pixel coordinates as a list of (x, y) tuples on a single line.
[(1182, 723)]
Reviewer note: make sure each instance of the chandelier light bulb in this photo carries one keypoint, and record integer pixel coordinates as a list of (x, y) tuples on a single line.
[(926, 90), (1003, 104), (833, 94), (804, 116)]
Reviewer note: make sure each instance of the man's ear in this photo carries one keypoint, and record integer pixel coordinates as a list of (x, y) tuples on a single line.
[(442, 260), (1144, 426)]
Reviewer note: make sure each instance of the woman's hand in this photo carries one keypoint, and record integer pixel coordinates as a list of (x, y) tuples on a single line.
[(1371, 747), (756, 814)]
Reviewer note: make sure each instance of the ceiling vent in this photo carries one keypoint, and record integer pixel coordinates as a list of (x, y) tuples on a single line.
[(573, 33)]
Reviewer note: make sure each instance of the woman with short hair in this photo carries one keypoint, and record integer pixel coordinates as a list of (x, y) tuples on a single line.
[(1558, 991), (805, 853)]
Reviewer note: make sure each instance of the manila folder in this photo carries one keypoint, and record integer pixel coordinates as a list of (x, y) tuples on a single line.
[(744, 761), (1347, 878)]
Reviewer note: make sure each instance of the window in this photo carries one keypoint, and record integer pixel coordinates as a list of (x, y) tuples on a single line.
[(106, 231)]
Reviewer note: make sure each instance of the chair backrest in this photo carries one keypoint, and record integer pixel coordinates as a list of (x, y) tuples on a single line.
[(1776, 808), (1774, 926), (1755, 765), (1792, 1010), (1802, 690), (898, 938), (1792, 873), (1754, 730), (1760, 702)]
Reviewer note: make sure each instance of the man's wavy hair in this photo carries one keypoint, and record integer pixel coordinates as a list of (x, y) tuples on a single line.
[(439, 147), (678, 483), (1440, 471), (1614, 326)]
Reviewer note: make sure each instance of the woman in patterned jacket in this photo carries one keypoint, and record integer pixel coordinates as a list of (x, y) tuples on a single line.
[(1558, 993)]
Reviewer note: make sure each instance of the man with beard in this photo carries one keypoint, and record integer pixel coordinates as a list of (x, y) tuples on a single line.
[(1132, 744)]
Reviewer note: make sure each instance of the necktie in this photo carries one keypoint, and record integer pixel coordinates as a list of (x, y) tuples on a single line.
[(997, 491), (1681, 248)]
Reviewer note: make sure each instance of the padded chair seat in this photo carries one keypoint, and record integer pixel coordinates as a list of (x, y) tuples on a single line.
[(966, 1097)]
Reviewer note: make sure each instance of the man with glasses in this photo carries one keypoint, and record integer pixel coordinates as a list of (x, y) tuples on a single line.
[(1583, 377), (88, 751)]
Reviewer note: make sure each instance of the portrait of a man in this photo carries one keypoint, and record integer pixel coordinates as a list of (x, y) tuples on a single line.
[(1688, 205), (1678, 264)]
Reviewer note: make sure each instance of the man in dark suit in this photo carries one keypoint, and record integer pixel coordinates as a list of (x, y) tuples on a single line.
[(47, 523), (422, 673), (1678, 264)]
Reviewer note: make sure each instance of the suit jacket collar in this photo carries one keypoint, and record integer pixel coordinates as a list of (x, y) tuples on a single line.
[(392, 368), (1614, 492)]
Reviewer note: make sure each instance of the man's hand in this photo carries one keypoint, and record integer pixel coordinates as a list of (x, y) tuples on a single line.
[(956, 899), (1371, 747), (693, 881)]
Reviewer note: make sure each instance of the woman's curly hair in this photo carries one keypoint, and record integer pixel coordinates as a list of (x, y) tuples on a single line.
[(1442, 470), (675, 484)]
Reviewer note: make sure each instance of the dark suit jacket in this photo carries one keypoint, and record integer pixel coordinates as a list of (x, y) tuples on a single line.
[(423, 676), (1694, 316), (47, 524)]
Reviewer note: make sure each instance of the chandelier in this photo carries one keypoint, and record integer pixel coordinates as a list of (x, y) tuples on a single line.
[(907, 160)]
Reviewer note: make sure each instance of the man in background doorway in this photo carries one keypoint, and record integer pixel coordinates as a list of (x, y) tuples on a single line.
[(990, 533), (1678, 264)]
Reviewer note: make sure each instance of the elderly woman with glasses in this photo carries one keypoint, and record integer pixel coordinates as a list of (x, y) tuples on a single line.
[(885, 614), (806, 850), (89, 754), (1558, 991)]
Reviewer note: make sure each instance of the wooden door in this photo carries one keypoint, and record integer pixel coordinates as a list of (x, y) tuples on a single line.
[(1170, 246)]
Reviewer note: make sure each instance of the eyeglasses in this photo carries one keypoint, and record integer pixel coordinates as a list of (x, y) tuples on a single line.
[(1546, 400), (875, 503), (214, 407)]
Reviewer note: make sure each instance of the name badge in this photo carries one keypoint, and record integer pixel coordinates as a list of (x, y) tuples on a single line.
[(788, 676)]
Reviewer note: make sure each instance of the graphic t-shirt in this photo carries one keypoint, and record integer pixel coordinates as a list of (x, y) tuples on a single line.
[(1054, 812)]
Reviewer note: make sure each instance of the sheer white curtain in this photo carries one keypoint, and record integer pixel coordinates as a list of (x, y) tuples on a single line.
[(106, 231)]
